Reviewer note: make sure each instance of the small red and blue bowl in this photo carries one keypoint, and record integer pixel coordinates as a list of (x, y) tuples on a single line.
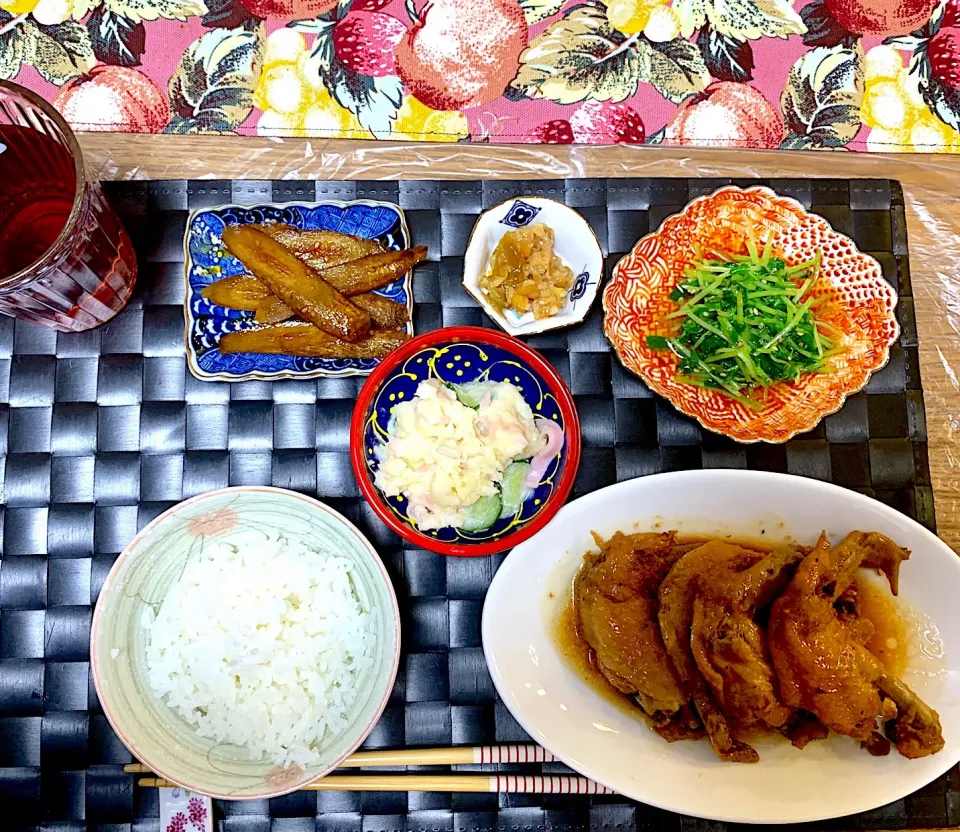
[(457, 355)]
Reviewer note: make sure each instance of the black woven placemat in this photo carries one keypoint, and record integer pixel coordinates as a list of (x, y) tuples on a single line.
[(106, 429)]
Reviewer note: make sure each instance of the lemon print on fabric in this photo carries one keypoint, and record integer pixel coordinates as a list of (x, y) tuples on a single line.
[(899, 119), (417, 121), (18, 7), (656, 19), (292, 97)]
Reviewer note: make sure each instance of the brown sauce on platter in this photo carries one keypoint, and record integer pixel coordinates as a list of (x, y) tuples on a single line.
[(890, 641), (580, 657)]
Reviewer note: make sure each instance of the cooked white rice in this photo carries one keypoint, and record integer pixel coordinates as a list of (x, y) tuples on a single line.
[(261, 645)]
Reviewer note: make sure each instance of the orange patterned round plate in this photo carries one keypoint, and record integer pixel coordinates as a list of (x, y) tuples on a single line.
[(637, 298)]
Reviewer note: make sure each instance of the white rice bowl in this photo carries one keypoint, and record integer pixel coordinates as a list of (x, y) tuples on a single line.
[(261, 645)]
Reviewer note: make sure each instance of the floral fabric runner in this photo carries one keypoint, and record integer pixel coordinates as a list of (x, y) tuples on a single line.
[(881, 75)]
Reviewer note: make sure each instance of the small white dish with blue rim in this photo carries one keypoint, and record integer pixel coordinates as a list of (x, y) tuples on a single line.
[(575, 243), (206, 260)]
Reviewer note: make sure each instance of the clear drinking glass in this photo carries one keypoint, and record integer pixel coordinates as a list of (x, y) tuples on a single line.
[(65, 260)]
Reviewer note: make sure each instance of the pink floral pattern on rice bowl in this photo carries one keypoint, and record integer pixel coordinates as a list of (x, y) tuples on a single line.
[(880, 75), (279, 778), (213, 523)]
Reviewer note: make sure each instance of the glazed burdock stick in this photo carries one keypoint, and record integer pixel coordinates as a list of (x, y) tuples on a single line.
[(272, 310), (296, 284), (242, 291), (374, 266), (247, 293), (365, 274), (372, 271), (358, 277), (385, 314), (296, 338), (330, 247)]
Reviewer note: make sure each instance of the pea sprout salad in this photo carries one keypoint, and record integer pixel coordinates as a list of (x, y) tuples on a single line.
[(747, 322)]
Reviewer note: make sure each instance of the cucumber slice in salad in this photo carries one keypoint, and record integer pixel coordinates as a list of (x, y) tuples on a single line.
[(482, 514), (512, 489), (470, 393)]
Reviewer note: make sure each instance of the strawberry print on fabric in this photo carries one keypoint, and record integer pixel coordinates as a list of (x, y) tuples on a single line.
[(880, 75)]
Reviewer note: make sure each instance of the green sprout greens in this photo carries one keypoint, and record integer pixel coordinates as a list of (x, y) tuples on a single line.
[(746, 323)]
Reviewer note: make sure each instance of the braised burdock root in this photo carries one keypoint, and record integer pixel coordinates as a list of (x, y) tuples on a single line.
[(371, 272), (297, 338), (349, 278), (728, 639), (246, 292), (284, 284), (296, 284), (242, 291), (326, 248), (385, 314)]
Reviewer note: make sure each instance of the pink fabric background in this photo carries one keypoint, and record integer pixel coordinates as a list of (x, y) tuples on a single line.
[(503, 120)]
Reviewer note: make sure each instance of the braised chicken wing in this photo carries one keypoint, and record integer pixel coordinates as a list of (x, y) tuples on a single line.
[(730, 647), (676, 596), (723, 639), (915, 730), (615, 597), (822, 663)]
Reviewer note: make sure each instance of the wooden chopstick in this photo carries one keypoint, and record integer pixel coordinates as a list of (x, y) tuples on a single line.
[(513, 783), (470, 755)]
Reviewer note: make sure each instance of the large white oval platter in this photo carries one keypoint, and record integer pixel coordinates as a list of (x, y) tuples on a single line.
[(603, 741)]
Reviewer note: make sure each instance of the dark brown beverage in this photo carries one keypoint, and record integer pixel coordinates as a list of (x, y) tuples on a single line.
[(65, 260)]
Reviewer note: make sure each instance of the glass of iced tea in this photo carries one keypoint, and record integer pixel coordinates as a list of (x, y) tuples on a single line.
[(65, 260)]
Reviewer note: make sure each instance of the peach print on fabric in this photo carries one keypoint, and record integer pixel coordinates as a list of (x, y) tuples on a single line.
[(878, 75), (862, 307)]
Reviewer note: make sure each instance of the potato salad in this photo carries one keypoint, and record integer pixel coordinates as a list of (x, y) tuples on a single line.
[(463, 455)]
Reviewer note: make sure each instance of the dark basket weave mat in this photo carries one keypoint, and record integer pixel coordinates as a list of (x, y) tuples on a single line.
[(107, 429)]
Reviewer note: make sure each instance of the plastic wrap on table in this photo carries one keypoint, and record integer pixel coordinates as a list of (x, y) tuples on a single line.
[(930, 184)]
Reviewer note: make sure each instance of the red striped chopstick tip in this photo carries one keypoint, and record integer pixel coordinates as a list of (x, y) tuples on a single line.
[(491, 754), (546, 784)]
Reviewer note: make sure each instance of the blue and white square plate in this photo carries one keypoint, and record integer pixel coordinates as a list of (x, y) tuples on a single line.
[(207, 261)]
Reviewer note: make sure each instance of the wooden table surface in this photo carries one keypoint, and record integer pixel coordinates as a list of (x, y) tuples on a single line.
[(931, 186)]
